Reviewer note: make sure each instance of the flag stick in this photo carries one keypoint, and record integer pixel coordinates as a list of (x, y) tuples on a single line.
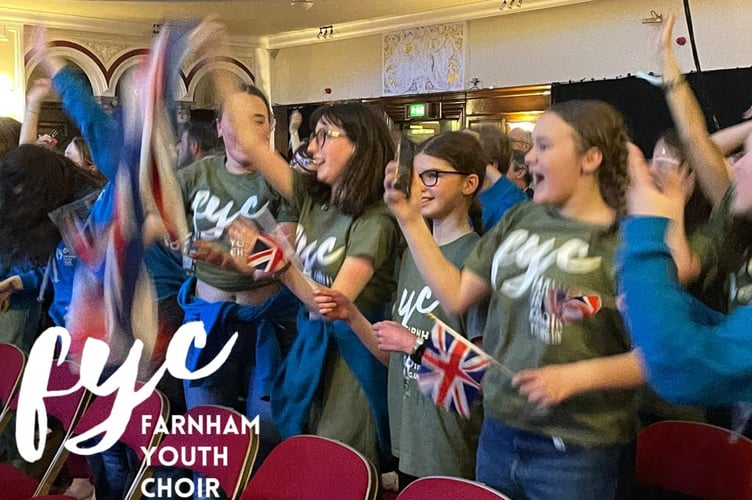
[(506, 371)]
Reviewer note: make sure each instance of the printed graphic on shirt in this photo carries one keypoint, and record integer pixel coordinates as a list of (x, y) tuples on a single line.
[(316, 257), (65, 256), (526, 251), (206, 208), (552, 307)]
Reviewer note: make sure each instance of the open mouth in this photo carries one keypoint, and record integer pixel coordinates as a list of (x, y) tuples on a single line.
[(537, 179)]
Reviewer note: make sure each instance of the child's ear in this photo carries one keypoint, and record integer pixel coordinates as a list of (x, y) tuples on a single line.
[(471, 184), (591, 161)]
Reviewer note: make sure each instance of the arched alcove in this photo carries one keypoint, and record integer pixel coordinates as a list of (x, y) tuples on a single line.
[(86, 64)]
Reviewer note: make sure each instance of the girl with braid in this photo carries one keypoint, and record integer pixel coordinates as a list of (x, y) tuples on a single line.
[(558, 427), (428, 440)]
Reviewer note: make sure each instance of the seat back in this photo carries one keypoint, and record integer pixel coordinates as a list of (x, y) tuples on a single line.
[(448, 488), (227, 437), (314, 468), (155, 406), (11, 370), (66, 409), (695, 459)]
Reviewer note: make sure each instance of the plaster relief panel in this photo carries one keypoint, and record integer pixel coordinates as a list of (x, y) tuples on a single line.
[(424, 59)]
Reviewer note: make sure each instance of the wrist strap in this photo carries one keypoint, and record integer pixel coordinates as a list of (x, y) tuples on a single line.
[(418, 349)]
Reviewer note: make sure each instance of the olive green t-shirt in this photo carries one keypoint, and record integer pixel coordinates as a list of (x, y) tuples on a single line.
[(553, 301), (213, 198), (325, 237), (427, 439)]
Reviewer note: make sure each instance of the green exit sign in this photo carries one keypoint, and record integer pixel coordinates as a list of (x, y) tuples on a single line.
[(417, 110)]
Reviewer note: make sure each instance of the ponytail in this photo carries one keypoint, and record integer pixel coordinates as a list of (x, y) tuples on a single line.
[(475, 212)]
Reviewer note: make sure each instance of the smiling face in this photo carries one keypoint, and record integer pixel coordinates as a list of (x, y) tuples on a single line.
[(331, 154), (450, 192), (555, 162)]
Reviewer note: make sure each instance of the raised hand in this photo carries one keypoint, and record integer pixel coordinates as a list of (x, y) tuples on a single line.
[(38, 91), (667, 56), (40, 49), (644, 197), (404, 208)]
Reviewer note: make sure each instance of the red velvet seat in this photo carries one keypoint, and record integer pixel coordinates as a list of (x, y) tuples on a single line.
[(314, 468), (448, 488), (695, 459), (14, 483), (241, 448), (155, 406)]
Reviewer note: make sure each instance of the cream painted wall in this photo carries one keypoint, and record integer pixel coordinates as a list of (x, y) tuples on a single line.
[(600, 39), (351, 68)]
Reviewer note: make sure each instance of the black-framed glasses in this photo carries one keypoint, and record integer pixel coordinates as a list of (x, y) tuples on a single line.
[(430, 178), (323, 134)]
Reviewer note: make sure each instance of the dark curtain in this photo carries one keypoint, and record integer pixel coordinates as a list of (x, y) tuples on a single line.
[(724, 95)]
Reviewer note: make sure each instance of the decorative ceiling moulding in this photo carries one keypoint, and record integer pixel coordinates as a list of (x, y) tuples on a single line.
[(379, 26), (100, 26)]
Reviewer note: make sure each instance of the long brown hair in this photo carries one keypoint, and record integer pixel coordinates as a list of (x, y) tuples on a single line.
[(362, 183)]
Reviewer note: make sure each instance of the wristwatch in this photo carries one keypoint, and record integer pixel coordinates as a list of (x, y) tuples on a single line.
[(418, 349)]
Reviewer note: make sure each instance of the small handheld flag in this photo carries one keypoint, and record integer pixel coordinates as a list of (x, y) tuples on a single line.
[(451, 369)]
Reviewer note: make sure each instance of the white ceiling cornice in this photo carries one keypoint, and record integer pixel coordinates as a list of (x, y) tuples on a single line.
[(342, 31), (366, 27), (100, 28)]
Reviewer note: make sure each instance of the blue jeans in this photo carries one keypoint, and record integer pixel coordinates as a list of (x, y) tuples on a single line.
[(524, 464)]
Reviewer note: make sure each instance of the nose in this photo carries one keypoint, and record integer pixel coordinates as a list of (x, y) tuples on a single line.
[(312, 146), (530, 157)]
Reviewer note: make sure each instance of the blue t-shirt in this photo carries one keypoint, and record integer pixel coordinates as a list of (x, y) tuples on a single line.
[(497, 199)]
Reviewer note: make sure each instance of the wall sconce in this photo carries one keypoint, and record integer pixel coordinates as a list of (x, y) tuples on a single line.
[(325, 32), (510, 4), (654, 18)]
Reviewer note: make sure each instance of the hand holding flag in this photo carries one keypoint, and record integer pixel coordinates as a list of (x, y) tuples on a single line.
[(452, 369)]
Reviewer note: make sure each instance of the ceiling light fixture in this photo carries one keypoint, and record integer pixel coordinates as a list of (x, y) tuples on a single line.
[(510, 4), (303, 4), (325, 32)]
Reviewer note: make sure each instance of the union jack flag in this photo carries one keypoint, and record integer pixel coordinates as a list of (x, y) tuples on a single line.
[(116, 302), (569, 307), (267, 256), (451, 369)]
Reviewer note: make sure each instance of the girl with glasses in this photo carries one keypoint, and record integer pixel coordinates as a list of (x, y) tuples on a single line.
[(427, 440), (346, 240), (557, 429)]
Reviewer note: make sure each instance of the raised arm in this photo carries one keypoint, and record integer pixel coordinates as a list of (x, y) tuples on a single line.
[(703, 155), (691, 354), (34, 97), (245, 145), (101, 131), (456, 290), (732, 138)]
